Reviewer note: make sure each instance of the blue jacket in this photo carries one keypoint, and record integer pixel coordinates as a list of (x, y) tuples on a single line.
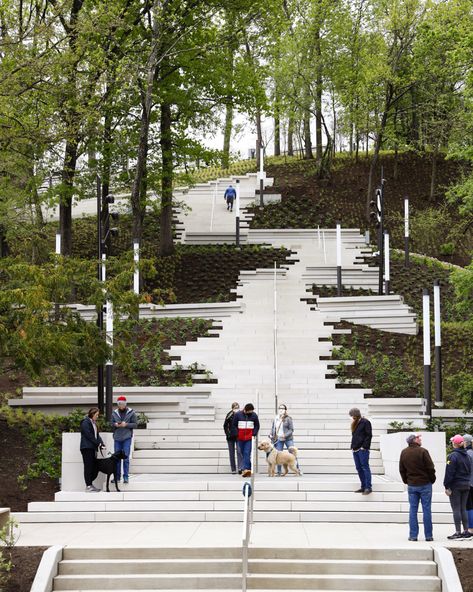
[(129, 417), (230, 193), (87, 435), (458, 470)]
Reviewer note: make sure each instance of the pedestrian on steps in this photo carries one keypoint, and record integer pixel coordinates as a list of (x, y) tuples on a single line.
[(231, 433), (246, 423), (229, 197), (361, 434), (418, 473), (469, 506), (457, 486), (123, 423), (282, 432), (90, 442)]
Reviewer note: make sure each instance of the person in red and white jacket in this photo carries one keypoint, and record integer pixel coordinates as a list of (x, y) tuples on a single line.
[(246, 423)]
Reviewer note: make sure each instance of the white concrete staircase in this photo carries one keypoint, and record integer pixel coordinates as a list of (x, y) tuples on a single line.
[(386, 313), (409, 570), (180, 469)]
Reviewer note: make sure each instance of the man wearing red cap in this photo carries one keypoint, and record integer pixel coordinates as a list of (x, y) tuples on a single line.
[(123, 423), (457, 486)]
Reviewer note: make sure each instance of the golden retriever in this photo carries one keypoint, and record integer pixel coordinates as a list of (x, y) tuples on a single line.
[(279, 457)]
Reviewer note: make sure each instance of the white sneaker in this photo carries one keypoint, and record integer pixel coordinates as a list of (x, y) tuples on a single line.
[(91, 489)]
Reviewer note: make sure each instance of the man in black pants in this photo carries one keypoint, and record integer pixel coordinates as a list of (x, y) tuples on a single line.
[(457, 486), (90, 441)]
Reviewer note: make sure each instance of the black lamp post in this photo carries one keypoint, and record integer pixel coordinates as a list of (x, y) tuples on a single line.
[(104, 233)]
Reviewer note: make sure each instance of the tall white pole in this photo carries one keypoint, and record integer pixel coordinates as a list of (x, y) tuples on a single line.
[(213, 207), (58, 244), (325, 248), (406, 232), (438, 345), (339, 259), (136, 273), (275, 337), (387, 267), (237, 212), (427, 366), (261, 176)]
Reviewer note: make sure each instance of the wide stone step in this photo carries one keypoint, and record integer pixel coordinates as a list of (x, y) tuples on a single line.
[(69, 497), (380, 517), (261, 566), (330, 455), (415, 553)]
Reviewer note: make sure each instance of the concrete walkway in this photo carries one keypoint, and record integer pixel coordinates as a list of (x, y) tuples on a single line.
[(224, 534)]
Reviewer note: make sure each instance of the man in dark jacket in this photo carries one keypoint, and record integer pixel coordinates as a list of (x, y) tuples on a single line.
[(123, 423), (360, 444), (457, 486), (231, 434), (418, 473), (246, 423)]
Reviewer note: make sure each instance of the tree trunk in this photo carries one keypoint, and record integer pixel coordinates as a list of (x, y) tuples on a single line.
[(138, 190), (277, 126), (396, 147), (308, 155), (352, 135), (67, 188), (357, 146), (259, 137), (72, 120), (107, 144), (290, 136), (318, 97), (374, 161), (414, 131), (139, 181), (166, 243), (433, 172), (227, 132)]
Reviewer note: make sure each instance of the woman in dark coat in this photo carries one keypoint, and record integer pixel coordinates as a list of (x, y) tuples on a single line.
[(90, 442)]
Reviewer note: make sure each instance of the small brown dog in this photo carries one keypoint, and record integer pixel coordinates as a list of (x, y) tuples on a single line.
[(279, 457)]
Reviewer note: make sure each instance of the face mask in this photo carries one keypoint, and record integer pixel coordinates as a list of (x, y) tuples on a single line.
[(282, 411)]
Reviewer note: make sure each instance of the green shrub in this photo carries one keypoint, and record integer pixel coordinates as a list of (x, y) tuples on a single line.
[(462, 384)]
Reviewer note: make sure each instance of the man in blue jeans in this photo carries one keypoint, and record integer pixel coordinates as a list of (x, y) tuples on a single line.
[(123, 423), (361, 435), (246, 425), (418, 473)]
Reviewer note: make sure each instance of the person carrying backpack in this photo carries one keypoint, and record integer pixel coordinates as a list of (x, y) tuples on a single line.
[(229, 197)]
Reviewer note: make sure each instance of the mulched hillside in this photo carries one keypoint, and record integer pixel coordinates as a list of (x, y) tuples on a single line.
[(308, 202)]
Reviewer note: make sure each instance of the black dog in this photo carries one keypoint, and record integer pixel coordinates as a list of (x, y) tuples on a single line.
[(108, 466)]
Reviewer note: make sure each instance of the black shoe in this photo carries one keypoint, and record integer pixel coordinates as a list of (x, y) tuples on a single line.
[(455, 537), (429, 540), (240, 472), (361, 490), (411, 539), (367, 491), (467, 535)]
